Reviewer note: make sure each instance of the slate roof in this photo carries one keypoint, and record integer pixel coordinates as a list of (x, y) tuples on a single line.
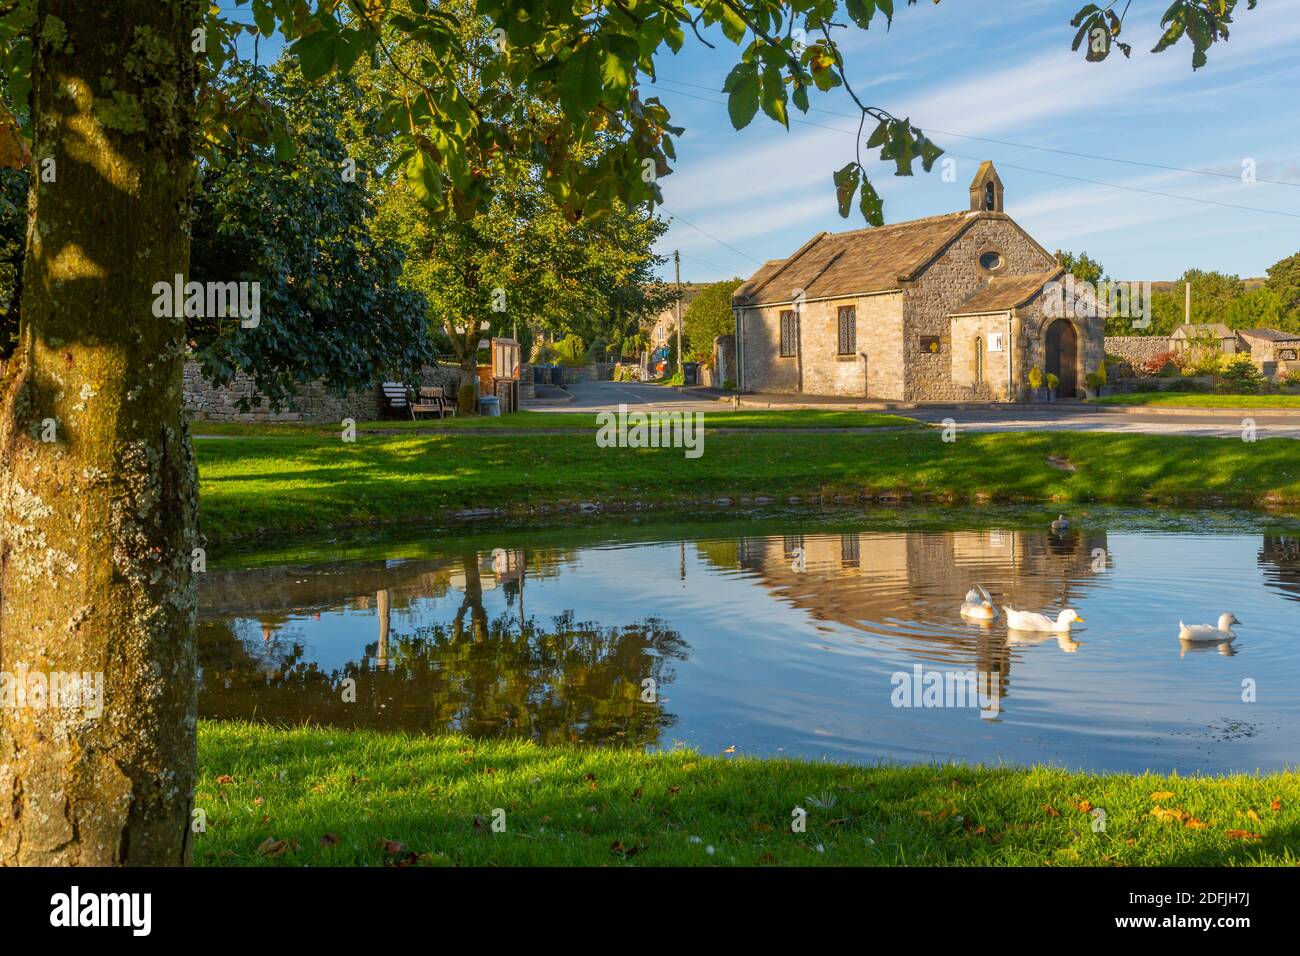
[(1270, 335), (863, 260), (1217, 329), (1004, 293)]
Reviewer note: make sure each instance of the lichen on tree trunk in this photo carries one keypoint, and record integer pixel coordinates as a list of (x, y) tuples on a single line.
[(97, 487)]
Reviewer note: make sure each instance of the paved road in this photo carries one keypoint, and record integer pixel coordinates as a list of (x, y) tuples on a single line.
[(606, 396)]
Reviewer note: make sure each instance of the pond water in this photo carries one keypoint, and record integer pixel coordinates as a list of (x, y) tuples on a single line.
[(786, 636)]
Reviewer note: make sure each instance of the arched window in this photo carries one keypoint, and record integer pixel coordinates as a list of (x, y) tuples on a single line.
[(979, 360), (990, 201)]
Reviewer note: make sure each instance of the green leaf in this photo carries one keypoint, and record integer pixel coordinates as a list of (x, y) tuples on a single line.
[(579, 82), (423, 179), (264, 17), (871, 205), (774, 95), (742, 85), (861, 11), (733, 27), (846, 184), (316, 53), (800, 97)]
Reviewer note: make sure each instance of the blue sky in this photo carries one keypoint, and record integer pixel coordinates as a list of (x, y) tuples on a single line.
[(738, 198), (953, 69)]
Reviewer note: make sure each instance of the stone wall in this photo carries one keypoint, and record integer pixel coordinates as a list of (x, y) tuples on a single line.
[(817, 368), (951, 280), (990, 383), (313, 404), (1136, 350)]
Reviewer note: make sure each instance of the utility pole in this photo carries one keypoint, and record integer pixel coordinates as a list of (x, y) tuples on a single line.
[(1187, 305), (677, 266)]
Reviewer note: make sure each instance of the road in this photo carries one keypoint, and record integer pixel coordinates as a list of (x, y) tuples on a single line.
[(1224, 423)]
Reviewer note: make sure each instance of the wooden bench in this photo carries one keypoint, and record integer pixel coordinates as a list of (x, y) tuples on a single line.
[(430, 399)]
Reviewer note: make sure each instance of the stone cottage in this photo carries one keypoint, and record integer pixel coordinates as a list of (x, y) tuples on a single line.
[(952, 307)]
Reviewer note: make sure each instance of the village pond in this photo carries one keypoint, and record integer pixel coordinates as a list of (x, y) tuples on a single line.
[(804, 634)]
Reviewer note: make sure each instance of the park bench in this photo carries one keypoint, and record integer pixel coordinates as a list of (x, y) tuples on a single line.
[(432, 399), (396, 402)]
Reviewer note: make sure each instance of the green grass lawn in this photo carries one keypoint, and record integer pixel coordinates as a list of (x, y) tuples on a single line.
[(301, 796), (529, 420), (271, 486), (1198, 400)]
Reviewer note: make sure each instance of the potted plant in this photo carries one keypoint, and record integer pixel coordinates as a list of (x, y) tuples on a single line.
[(1102, 387), (1093, 382), (1036, 391), (1052, 382)]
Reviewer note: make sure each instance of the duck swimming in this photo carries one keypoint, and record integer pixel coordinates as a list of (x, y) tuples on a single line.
[(1208, 633), (1033, 621), (978, 605)]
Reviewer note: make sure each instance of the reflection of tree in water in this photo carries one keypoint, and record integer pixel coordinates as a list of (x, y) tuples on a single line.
[(1279, 558), (569, 681)]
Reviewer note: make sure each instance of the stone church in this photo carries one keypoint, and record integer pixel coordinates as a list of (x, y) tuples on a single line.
[(946, 308)]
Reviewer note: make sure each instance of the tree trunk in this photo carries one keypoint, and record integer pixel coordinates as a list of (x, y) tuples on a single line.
[(466, 393), (97, 491)]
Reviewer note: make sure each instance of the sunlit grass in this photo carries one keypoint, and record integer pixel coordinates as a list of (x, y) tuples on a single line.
[(529, 420), (332, 797), (285, 485), (1198, 400)]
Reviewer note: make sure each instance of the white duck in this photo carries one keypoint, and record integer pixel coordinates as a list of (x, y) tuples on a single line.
[(1033, 621), (1208, 633), (1062, 523), (979, 605)]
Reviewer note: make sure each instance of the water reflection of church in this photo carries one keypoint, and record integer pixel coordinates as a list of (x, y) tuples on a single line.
[(915, 581)]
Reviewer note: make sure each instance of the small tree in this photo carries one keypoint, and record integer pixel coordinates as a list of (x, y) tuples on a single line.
[(709, 316)]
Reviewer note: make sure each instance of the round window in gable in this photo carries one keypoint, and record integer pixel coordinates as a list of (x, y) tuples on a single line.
[(991, 261)]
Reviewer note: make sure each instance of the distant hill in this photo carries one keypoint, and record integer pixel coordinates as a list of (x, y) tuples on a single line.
[(1177, 285)]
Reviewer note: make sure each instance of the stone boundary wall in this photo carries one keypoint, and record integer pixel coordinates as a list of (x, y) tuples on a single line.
[(1136, 350), (314, 403)]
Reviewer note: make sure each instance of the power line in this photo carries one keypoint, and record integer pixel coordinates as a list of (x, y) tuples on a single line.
[(1040, 172), (1044, 149), (708, 235)]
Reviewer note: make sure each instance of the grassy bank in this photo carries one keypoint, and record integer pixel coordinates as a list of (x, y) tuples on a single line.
[(275, 486), (1198, 400), (531, 420), (330, 797)]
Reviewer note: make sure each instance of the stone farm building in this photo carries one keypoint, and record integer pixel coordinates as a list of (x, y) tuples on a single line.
[(944, 308)]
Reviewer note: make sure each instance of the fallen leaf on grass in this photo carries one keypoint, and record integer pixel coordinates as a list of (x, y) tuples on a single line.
[(1253, 816), (329, 839), (273, 847), (1085, 806), (1165, 814), (1162, 795), (1277, 805), (393, 847), (1194, 824), (1051, 810), (1244, 835), (225, 778)]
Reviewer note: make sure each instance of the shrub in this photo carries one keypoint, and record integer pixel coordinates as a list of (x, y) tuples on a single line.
[(543, 354), (1095, 380), (1187, 385), (571, 350), (1101, 373), (1205, 362), (1053, 381), (1035, 377), (1158, 364), (1240, 376)]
